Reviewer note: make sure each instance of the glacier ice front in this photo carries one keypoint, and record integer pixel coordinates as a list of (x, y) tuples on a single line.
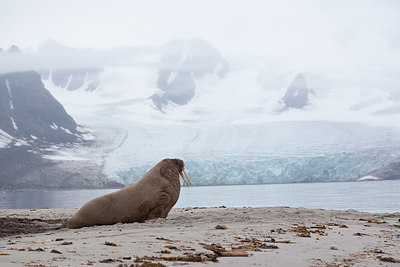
[(270, 152)]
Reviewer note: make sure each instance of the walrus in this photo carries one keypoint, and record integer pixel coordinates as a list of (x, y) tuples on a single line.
[(150, 198)]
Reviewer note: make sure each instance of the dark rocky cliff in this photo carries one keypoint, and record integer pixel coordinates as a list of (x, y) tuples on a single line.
[(297, 95), (29, 112), (32, 122)]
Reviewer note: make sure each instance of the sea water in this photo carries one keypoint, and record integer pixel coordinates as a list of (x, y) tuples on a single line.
[(373, 196)]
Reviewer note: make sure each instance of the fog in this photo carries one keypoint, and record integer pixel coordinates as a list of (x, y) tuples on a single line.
[(52, 55), (348, 49), (309, 34)]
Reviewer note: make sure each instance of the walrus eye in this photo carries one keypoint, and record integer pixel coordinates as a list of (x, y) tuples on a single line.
[(179, 163)]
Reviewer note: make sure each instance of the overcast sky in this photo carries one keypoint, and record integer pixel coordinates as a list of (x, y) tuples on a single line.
[(320, 33)]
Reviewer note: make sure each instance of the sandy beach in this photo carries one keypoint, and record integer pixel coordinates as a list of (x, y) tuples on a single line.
[(220, 236)]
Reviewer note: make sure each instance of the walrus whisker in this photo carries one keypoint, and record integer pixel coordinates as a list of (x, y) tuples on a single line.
[(183, 178), (187, 176)]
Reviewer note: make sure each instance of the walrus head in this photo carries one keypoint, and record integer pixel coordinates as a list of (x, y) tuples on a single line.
[(181, 167)]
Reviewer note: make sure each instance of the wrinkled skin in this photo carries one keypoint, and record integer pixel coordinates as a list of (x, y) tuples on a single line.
[(152, 197)]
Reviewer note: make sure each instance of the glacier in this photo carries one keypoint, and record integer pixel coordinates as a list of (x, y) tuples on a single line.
[(266, 153), (269, 152), (237, 128)]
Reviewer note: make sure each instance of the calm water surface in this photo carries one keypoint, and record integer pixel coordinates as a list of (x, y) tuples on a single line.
[(377, 196)]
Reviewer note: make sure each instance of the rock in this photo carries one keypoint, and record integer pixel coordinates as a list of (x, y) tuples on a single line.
[(32, 121), (71, 79), (182, 63), (297, 95), (14, 50), (388, 172), (29, 111), (22, 169)]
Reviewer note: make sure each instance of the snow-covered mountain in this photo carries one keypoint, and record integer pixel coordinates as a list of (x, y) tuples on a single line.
[(70, 78), (29, 113), (232, 121), (183, 63), (74, 79)]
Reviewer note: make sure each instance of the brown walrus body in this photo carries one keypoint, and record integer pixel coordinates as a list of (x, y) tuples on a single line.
[(152, 197)]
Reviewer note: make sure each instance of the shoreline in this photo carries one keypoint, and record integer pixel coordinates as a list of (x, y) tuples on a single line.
[(273, 236), (362, 196), (30, 189)]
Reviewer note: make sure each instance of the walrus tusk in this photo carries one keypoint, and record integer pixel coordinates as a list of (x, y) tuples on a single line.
[(187, 176), (183, 178)]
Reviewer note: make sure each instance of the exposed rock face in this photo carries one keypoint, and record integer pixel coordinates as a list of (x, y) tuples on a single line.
[(28, 111), (32, 121), (14, 49), (389, 172), (73, 79), (69, 78), (22, 169), (182, 63), (297, 94)]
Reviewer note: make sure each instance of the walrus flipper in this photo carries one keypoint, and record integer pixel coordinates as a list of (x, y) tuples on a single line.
[(158, 212)]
